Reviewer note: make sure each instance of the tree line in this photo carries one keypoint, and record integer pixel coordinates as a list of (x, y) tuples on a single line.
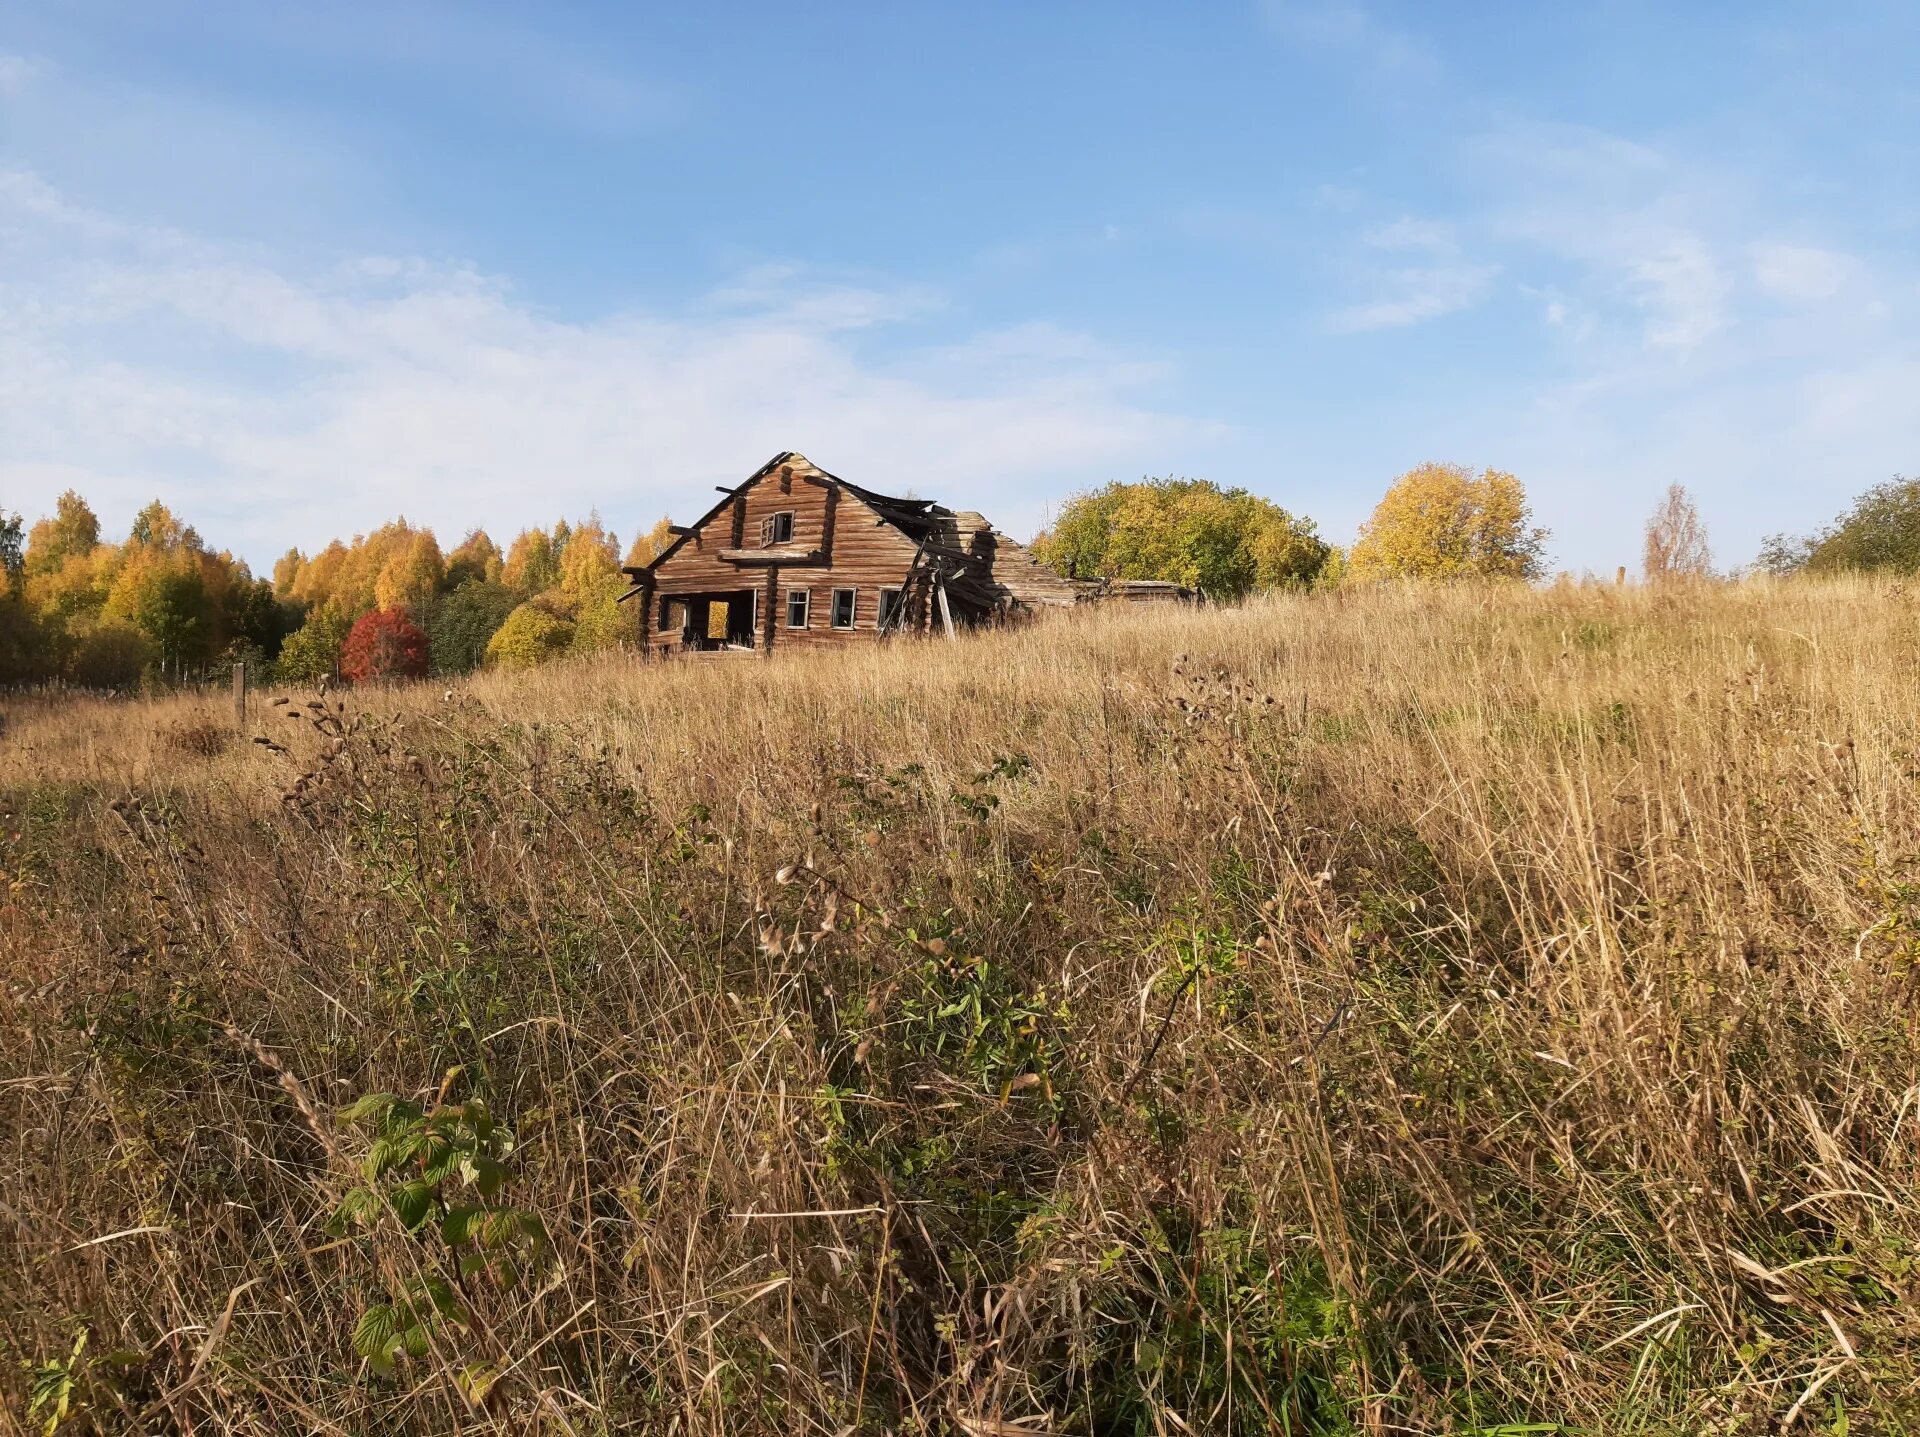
[(1435, 523), (161, 606)]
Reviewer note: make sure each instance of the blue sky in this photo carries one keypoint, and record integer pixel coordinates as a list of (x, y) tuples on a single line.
[(297, 269)]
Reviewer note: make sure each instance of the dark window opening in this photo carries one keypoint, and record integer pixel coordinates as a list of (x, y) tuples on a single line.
[(797, 600), (843, 608), (889, 607), (776, 529)]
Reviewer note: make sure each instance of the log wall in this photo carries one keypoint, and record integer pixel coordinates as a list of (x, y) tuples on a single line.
[(837, 542)]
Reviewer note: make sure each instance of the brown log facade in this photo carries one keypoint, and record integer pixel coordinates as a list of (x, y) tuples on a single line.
[(797, 557)]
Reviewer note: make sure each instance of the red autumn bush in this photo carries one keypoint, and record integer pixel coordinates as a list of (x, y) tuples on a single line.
[(384, 644)]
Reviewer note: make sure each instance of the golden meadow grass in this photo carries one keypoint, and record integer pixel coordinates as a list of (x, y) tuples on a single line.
[(1380, 1011)]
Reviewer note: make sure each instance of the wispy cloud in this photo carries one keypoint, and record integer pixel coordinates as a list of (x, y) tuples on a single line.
[(1410, 233), (1800, 272), (1418, 295), (476, 51), (1681, 286), (17, 73), (280, 403), (798, 294), (1350, 28), (1641, 233)]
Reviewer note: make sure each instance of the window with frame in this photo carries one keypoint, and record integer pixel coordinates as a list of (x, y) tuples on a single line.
[(842, 612), (889, 607), (797, 604), (776, 529)]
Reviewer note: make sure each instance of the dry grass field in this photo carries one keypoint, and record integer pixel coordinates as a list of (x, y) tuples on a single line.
[(1394, 1011)]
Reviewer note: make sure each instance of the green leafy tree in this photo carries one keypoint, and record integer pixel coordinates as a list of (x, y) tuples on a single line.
[(21, 646), (172, 610), (462, 623), (12, 558), (112, 655), (312, 652), (1881, 531), (256, 620), (1224, 542)]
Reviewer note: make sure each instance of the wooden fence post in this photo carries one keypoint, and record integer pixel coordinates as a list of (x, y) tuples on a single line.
[(240, 693)]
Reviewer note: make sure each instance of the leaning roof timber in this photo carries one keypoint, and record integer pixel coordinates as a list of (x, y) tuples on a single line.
[(915, 518)]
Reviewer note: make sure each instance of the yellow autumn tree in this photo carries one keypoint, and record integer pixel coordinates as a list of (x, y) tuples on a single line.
[(1441, 521), (478, 557), (77, 588), (356, 586), (72, 530), (412, 574), (286, 573), (314, 585), (648, 546), (590, 560), (532, 565), (531, 635)]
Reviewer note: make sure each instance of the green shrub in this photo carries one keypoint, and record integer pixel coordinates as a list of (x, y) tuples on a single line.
[(462, 622), (112, 656)]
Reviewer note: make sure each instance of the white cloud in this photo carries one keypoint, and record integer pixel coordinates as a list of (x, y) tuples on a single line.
[(1409, 233), (17, 72), (1419, 295), (281, 406), (1694, 329), (1642, 232), (1679, 283), (1799, 272), (1350, 27)]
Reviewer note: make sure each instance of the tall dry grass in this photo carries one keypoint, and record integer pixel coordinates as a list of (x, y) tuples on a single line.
[(1385, 1011)]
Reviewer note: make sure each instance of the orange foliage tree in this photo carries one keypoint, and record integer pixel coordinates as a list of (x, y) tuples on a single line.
[(383, 644)]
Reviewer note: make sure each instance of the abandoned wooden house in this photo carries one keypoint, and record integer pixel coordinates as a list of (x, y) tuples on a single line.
[(797, 556)]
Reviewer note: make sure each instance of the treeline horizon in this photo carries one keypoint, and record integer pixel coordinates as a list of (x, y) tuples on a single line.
[(162, 606)]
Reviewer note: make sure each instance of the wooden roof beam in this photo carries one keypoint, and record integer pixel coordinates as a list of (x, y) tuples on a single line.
[(755, 558)]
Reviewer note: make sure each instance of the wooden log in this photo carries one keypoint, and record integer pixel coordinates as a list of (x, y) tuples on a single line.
[(758, 557), (240, 693)]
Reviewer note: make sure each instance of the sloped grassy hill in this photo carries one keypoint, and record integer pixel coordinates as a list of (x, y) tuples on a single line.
[(1392, 1011)]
